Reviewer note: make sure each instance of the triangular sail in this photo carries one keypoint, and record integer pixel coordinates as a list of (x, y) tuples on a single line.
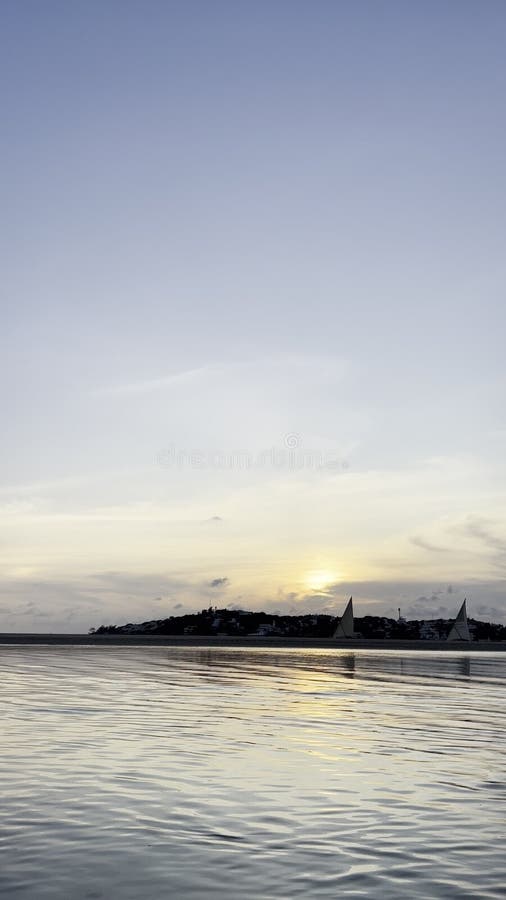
[(345, 625), (460, 628)]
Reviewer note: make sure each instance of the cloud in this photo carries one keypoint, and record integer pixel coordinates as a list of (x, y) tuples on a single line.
[(114, 597), (328, 602), (424, 609), (219, 582), (480, 528), (491, 613), (418, 600), (155, 384), (97, 599), (419, 541), (46, 606), (484, 531)]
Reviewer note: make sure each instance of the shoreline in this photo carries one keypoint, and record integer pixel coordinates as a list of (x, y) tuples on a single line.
[(252, 641)]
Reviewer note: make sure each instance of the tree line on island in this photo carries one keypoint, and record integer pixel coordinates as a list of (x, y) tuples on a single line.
[(241, 623)]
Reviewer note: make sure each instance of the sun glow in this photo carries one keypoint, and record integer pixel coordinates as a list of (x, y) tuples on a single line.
[(319, 579)]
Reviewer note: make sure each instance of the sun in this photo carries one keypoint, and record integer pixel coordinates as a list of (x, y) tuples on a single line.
[(319, 579)]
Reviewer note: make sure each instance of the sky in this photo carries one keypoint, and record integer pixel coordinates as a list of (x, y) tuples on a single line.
[(253, 309)]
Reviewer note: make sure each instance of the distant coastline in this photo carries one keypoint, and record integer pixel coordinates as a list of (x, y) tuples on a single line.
[(240, 623), (251, 642)]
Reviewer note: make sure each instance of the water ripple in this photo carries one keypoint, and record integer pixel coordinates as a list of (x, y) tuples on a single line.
[(197, 772)]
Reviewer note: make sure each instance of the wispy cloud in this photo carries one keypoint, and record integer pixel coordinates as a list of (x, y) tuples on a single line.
[(486, 534), (155, 384), (483, 529), (281, 366), (419, 541)]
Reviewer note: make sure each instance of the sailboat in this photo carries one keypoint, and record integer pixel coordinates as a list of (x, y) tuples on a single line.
[(345, 625), (460, 628)]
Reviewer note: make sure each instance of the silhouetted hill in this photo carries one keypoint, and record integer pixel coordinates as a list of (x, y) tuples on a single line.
[(214, 621)]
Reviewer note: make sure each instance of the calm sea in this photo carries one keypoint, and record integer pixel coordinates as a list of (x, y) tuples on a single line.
[(150, 773)]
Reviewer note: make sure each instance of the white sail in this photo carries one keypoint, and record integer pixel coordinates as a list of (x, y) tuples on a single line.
[(460, 628), (345, 625)]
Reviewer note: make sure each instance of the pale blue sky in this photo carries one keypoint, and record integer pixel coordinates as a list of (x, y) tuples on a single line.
[(224, 224)]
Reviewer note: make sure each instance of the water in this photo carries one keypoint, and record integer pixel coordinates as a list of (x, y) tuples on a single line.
[(148, 773)]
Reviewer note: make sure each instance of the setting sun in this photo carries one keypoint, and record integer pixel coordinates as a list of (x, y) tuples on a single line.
[(319, 579)]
